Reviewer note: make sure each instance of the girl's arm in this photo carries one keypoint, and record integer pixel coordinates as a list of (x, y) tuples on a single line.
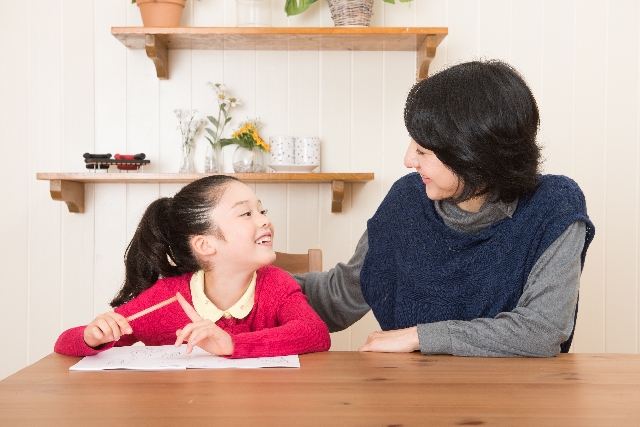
[(300, 328), (105, 331)]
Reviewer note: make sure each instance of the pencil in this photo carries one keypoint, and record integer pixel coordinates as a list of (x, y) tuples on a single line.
[(150, 309)]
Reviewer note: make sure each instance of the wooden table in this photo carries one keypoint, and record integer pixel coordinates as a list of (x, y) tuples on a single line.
[(335, 389)]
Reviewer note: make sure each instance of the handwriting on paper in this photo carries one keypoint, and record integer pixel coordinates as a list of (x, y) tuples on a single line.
[(168, 357)]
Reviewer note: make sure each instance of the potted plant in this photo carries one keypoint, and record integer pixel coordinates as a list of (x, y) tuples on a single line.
[(354, 13), (248, 155), (160, 13), (213, 159)]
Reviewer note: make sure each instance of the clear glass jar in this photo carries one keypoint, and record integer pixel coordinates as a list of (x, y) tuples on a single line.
[(186, 163), (212, 159), (253, 13), (245, 160)]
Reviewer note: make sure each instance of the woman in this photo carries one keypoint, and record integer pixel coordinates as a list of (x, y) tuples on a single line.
[(475, 254)]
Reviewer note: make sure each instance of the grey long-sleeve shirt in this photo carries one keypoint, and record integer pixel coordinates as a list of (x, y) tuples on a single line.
[(540, 322)]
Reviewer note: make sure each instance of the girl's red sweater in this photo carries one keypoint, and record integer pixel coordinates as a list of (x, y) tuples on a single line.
[(280, 323)]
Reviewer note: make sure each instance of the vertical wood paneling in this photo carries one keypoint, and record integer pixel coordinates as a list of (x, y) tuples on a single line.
[(399, 77), (78, 130), (110, 201), (556, 98), (589, 167), (621, 153), (526, 41), (14, 179), (335, 111), (111, 242), (462, 40), (85, 91), (45, 148), (303, 120), (176, 94), (494, 33), (366, 152)]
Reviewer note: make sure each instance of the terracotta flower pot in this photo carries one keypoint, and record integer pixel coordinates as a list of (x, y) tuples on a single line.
[(161, 13)]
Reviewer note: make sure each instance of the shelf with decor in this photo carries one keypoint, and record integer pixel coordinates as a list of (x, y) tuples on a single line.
[(157, 41), (69, 187)]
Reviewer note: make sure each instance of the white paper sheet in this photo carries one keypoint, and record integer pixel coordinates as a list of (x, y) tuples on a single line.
[(168, 357)]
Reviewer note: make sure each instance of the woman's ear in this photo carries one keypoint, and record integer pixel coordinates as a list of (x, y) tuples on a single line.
[(203, 246)]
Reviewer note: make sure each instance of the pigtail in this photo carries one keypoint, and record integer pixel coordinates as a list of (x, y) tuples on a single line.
[(147, 256)]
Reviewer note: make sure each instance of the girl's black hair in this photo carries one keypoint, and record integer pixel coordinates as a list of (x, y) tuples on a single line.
[(164, 234), (481, 120)]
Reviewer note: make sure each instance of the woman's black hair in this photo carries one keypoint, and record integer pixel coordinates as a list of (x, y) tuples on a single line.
[(164, 234), (481, 120)]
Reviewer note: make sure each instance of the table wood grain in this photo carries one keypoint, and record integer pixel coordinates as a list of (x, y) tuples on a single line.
[(335, 389)]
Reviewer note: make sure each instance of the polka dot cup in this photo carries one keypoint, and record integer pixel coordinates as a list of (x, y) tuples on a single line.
[(281, 150), (307, 150)]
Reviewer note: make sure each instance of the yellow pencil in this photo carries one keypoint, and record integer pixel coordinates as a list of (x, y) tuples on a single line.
[(150, 309)]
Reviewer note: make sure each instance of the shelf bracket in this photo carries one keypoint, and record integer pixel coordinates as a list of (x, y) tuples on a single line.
[(70, 192), (337, 196), (157, 51), (425, 55)]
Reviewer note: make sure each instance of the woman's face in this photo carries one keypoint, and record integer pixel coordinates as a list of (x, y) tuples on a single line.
[(441, 183)]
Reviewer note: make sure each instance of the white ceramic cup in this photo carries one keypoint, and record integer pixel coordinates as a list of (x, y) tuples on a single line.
[(307, 150), (281, 150)]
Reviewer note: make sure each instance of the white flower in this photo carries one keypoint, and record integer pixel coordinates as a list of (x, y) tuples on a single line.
[(233, 102)]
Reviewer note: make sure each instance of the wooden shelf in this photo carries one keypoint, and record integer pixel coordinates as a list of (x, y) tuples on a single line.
[(157, 41), (69, 187)]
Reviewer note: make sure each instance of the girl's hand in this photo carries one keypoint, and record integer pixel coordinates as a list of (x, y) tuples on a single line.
[(105, 328), (397, 341), (203, 333)]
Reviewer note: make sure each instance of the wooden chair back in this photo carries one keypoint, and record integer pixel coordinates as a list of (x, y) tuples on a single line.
[(299, 263)]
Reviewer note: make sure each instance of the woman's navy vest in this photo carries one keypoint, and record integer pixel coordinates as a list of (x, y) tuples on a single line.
[(417, 270)]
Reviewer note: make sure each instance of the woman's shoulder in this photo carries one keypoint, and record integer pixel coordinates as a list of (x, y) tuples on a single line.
[(162, 290), (559, 189)]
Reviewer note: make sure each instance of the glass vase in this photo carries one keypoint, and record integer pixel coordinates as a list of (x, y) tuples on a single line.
[(212, 159), (253, 13), (245, 160), (186, 163)]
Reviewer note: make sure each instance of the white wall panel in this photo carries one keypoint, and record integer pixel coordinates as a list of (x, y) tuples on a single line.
[(621, 211), (494, 32), (15, 177), (45, 150), (84, 91), (78, 129), (589, 167), (555, 100)]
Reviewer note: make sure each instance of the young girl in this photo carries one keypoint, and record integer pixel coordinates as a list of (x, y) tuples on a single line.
[(211, 247)]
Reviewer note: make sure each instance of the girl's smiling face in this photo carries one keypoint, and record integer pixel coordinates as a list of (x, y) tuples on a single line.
[(441, 183), (248, 233)]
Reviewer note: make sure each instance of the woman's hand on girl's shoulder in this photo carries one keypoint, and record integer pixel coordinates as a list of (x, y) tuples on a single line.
[(105, 328), (203, 333)]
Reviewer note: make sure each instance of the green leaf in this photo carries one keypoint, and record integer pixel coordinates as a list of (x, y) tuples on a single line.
[(294, 7), (227, 141), (213, 120), (390, 1), (227, 121), (213, 135)]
